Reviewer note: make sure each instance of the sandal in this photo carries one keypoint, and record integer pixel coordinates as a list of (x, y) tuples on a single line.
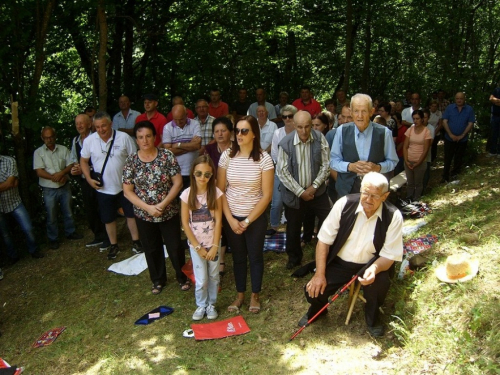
[(156, 289), (222, 273), (185, 286), (235, 306), (254, 304)]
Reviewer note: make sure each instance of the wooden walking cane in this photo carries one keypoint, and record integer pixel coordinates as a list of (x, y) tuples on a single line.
[(335, 296)]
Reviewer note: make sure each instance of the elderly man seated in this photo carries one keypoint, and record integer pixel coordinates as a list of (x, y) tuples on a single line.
[(359, 227)]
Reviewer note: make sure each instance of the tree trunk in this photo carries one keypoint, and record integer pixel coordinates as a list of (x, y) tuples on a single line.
[(128, 68), (349, 46), (365, 77), (103, 44)]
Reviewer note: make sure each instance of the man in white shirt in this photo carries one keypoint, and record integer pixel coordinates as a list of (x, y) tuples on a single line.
[(407, 112), (110, 196), (267, 128), (359, 227)]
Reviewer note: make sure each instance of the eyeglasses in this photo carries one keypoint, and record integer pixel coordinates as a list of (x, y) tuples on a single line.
[(242, 131), (373, 196), (284, 117), (200, 173)]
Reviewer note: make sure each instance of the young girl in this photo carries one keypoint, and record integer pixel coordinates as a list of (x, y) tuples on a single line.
[(201, 211)]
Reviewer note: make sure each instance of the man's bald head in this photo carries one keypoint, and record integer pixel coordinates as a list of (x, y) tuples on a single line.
[(179, 114)]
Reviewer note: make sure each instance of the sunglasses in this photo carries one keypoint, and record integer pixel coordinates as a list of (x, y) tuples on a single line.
[(284, 117), (200, 173), (242, 131)]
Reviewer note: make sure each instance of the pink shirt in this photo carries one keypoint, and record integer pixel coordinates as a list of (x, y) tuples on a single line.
[(417, 141)]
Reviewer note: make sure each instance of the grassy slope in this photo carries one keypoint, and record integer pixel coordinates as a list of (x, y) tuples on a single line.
[(437, 328)]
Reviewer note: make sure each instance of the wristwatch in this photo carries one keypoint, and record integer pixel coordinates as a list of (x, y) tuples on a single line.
[(179, 145), (315, 185), (247, 222)]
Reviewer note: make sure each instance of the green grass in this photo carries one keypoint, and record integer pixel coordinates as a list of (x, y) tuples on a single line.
[(432, 327)]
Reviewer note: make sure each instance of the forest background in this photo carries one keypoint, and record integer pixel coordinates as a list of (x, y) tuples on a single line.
[(59, 56)]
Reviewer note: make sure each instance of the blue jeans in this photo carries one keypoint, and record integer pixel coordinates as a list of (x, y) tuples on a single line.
[(53, 197), (276, 204), (21, 215), (495, 133)]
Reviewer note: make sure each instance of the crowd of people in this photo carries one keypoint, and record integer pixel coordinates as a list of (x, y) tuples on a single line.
[(216, 173)]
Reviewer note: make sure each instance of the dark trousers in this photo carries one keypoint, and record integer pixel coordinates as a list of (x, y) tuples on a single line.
[(91, 207), (453, 151), (340, 273), (319, 206), (495, 134), (434, 147), (249, 244), (153, 236)]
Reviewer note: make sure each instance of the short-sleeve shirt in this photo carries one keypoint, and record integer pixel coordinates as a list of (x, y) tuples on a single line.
[(158, 120), (174, 134), (221, 110), (120, 122), (10, 198), (201, 220), (52, 161), (458, 121), (271, 112), (152, 182), (244, 181), (417, 141), (313, 107), (96, 149)]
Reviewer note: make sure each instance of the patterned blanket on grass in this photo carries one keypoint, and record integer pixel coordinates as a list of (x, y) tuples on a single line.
[(276, 243), (420, 244)]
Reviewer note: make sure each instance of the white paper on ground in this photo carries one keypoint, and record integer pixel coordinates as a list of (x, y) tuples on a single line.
[(132, 266)]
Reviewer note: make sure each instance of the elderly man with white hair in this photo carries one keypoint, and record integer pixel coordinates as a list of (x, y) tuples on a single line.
[(358, 228), (360, 147)]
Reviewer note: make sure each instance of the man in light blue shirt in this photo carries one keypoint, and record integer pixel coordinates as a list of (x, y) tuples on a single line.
[(360, 147), (125, 119)]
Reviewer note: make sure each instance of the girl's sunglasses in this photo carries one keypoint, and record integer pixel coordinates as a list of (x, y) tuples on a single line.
[(200, 173), (242, 131)]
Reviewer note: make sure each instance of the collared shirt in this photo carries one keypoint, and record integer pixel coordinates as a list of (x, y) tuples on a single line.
[(120, 122), (271, 113), (313, 107), (158, 120), (363, 141), (52, 161), (359, 246), (96, 149), (170, 116), (174, 134), (73, 154), (206, 130), (458, 120), (303, 152), (278, 135), (10, 198), (221, 110), (266, 134), (406, 114)]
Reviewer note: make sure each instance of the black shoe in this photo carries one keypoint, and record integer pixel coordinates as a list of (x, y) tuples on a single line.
[(270, 232), (443, 181), (137, 247), (291, 265), (376, 331), (105, 246), (74, 236), (303, 321), (93, 243), (54, 245), (113, 251), (38, 255)]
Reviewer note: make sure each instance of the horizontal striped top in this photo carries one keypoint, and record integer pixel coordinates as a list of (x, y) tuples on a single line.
[(244, 181)]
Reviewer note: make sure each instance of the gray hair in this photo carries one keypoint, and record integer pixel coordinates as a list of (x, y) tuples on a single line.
[(283, 93), (102, 115), (362, 98), (288, 108), (377, 180)]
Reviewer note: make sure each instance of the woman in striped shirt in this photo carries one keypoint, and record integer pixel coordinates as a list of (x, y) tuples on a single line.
[(246, 176)]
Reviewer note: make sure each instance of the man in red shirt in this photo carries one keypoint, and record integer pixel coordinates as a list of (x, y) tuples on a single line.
[(216, 107), (152, 115), (306, 102)]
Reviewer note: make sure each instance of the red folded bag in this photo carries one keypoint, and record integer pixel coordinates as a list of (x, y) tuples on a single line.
[(230, 327)]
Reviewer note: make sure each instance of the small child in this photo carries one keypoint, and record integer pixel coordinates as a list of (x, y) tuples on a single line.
[(201, 212)]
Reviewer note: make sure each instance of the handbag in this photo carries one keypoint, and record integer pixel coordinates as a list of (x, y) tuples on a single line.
[(97, 176)]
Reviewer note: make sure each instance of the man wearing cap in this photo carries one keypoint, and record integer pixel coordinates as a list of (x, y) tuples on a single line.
[(152, 115), (182, 136), (358, 228)]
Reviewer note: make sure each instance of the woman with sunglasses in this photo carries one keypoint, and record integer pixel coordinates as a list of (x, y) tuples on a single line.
[(151, 182), (417, 144), (246, 175)]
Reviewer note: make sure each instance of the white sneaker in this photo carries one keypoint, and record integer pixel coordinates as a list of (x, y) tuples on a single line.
[(211, 312), (199, 313)]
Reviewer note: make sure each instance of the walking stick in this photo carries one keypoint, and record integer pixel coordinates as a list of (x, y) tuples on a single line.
[(335, 296)]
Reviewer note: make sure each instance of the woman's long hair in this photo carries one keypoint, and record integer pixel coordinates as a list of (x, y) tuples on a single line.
[(211, 188), (256, 151)]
